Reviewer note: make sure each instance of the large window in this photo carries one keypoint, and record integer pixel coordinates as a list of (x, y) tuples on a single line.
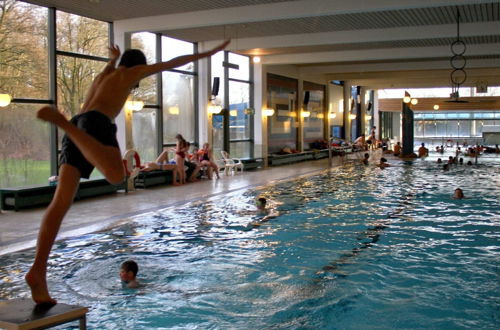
[(28, 149), (232, 128), (24, 140), (314, 123), (282, 126), (179, 108), (453, 125), (24, 146), (144, 122), (82, 50), (240, 119)]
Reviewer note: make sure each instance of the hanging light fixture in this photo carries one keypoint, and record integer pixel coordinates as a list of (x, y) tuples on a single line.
[(5, 100), (407, 97), (267, 112), (458, 75)]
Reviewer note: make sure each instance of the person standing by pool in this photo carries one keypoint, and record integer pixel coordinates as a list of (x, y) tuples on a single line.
[(181, 148), (90, 141)]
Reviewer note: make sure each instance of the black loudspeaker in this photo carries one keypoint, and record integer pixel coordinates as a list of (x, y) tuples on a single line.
[(215, 86), (369, 107), (307, 94)]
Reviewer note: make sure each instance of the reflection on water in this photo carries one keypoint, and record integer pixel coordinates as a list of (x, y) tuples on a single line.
[(357, 247)]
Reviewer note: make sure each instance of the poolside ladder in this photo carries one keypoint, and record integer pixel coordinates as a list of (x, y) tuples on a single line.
[(23, 314)]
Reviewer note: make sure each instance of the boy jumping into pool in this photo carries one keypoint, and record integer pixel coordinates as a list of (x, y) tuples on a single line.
[(90, 141)]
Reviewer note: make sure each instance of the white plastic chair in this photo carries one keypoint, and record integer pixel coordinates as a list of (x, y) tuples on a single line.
[(231, 164)]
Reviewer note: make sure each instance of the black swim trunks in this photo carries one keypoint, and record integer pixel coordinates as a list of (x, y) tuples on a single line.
[(95, 124)]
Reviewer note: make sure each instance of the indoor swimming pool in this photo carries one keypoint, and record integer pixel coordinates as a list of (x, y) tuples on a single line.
[(355, 247)]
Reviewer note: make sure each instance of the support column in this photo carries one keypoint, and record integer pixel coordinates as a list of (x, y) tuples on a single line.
[(300, 135), (260, 123), (407, 132), (347, 108), (205, 132)]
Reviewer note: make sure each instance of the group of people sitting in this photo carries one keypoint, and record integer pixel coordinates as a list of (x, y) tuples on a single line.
[(187, 165)]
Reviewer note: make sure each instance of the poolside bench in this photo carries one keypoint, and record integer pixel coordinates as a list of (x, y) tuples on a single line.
[(153, 178), (16, 198), (252, 163), (283, 159)]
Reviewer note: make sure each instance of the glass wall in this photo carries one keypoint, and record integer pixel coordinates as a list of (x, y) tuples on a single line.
[(144, 122), (240, 119), (28, 146), (451, 125), (81, 54), (232, 128), (24, 146), (314, 124), (282, 126), (179, 108)]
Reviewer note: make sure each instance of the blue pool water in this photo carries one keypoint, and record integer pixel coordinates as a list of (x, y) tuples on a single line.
[(355, 247)]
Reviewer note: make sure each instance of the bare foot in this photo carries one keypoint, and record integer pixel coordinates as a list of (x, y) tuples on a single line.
[(176, 184), (51, 115), (39, 290)]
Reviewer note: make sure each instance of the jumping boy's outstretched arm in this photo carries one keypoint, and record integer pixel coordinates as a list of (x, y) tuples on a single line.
[(180, 60)]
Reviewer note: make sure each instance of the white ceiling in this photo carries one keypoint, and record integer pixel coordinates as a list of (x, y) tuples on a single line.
[(376, 43)]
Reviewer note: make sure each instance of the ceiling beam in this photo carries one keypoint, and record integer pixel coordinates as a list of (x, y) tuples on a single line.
[(369, 35), (399, 66), (378, 54), (275, 11)]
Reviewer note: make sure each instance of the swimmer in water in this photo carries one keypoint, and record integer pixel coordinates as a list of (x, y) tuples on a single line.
[(459, 194), (128, 274)]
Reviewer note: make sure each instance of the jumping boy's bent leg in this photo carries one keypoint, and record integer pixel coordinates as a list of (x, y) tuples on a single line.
[(107, 159), (36, 278)]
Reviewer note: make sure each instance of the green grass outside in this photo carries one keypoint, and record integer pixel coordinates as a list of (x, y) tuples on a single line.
[(22, 172)]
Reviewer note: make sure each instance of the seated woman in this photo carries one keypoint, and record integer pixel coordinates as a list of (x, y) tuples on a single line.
[(205, 159), (360, 143), (161, 163)]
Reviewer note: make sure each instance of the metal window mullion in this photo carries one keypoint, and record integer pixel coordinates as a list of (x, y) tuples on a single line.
[(239, 80), (52, 64), (226, 143), (252, 106), (195, 96), (159, 98), (82, 56)]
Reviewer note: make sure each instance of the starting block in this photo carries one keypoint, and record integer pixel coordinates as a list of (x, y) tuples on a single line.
[(23, 314)]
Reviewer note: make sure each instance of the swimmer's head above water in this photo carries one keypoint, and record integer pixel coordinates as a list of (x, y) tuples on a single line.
[(128, 273), (261, 203)]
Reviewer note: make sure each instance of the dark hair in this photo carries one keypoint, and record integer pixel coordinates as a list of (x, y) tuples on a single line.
[(383, 160), (367, 155), (132, 57), (130, 266), (262, 200)]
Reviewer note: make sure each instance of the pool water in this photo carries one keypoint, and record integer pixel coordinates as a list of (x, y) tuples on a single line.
[(355, 247)]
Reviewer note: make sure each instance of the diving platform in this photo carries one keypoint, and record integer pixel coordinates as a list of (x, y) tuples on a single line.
[(20, 314)]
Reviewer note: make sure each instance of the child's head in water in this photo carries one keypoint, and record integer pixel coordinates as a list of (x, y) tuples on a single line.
[(459, 194), (128, 273), (261, 203)]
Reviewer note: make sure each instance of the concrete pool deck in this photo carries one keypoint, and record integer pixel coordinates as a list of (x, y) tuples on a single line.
[(18, 230)]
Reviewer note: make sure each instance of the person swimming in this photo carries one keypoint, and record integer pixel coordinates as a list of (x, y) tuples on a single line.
[(128, 274), (458, 194)]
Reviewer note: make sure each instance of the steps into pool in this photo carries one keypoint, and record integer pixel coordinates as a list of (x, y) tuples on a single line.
[(23, 314)]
